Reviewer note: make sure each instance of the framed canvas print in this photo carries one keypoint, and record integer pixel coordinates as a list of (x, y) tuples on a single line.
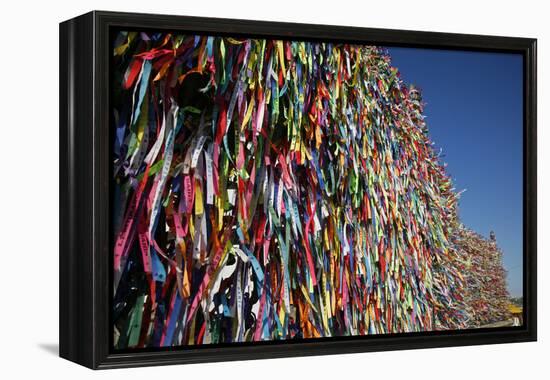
[(237, 189)]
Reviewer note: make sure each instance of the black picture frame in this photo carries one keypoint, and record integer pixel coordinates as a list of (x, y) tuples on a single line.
[(85, 246)]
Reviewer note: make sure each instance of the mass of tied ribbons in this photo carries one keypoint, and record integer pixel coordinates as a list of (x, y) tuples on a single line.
[(272, 190), (486, 293)]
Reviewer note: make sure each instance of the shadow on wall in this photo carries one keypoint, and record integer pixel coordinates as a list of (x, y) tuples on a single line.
[(51, 348)]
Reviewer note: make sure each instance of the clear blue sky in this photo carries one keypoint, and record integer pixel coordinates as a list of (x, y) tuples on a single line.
[(474, 113)]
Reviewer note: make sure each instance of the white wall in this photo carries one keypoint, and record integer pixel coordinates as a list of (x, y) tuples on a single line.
[(29, 191)]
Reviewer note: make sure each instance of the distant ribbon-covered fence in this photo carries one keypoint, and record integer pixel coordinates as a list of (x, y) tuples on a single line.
[(486, 293), (270, 190)]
